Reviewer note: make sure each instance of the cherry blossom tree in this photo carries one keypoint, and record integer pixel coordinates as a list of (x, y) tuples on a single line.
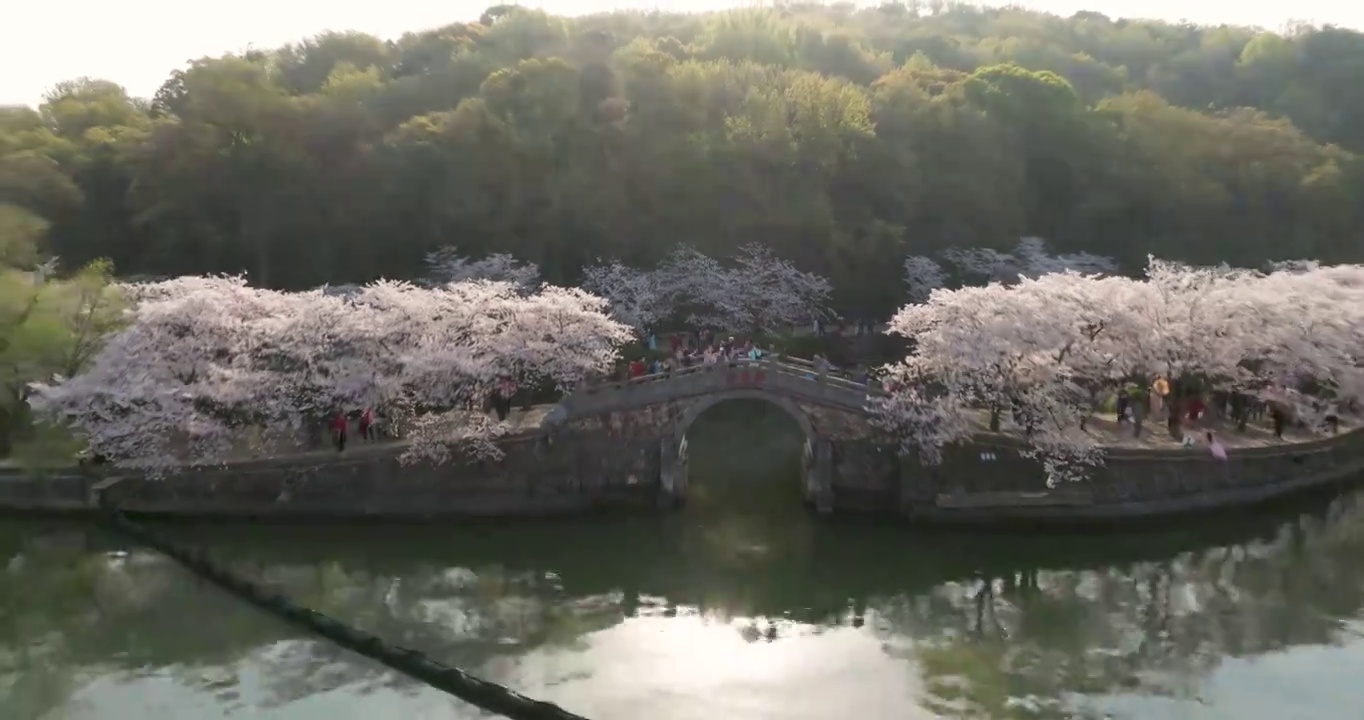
[(1029, 259), (446, 265), (1194, 321), (1294, 266), (995, 358), (637, 298), (1029, 358), (1307, 324), (1034, 261), (488, 331), (205, 359), (923, 275), (760, 293), (175, 376)]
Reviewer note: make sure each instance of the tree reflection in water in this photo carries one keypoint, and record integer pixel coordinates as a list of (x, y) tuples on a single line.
[(985, 627)]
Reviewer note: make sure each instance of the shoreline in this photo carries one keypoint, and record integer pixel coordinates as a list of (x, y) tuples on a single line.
[(575, 471)]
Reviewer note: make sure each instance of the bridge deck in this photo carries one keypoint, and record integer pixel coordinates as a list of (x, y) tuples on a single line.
[(785, 376)]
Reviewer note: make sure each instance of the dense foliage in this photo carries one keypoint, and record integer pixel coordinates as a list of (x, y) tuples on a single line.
[(49, 326), (841, 138)]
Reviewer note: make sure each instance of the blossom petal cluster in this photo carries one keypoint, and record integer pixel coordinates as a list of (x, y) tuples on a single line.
[(207, 361), (1037, 354), (757, 292), (447, 265), (1029, 259)]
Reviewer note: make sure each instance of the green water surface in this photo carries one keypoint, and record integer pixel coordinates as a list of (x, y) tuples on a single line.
[(741, 607)]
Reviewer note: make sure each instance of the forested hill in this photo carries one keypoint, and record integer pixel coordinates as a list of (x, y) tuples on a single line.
[(843, 138)]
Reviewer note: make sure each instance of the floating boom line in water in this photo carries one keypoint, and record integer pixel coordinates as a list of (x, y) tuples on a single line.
[(477, 692)]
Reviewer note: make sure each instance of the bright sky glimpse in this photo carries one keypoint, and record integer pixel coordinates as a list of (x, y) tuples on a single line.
[(138, 42)]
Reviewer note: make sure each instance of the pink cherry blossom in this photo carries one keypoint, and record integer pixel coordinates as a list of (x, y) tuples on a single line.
[(923, 275), (1035, 353), (638, 298), (446, 265), (756, 292), (203, 361), (1029, 259)]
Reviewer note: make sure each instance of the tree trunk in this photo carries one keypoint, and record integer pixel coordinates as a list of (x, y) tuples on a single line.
[(1175, 410), (6, 432), (1139, 405)]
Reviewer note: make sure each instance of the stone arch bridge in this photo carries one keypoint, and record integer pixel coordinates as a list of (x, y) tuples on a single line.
[(651, 414)]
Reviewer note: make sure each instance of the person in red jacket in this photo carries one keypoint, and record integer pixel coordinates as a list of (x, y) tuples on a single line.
[(339, 427)]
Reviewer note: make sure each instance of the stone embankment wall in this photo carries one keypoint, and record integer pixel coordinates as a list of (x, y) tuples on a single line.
[(990, 481), (568, 472), (619, 460)]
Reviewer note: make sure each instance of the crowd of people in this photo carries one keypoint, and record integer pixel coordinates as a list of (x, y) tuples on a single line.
[(1195, 406), (499, 400), (680, 350), (689, 350)]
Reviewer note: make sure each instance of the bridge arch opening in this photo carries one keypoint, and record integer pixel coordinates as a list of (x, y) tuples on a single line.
[(743, 463), (743, 449), (791, 410)]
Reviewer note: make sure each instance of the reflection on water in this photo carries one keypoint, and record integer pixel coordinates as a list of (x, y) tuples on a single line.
[(744, 500), (757, 612)]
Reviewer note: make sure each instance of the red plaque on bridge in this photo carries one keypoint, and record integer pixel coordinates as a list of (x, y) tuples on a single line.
[(759, 376), (743, 377)]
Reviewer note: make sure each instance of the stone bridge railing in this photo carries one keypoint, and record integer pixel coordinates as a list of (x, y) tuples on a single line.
[(790, 377)]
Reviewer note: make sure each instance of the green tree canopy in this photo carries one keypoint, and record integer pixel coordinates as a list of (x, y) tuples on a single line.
[(842, 138)]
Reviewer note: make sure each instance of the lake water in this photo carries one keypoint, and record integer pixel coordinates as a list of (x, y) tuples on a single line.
[(742, 607)]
